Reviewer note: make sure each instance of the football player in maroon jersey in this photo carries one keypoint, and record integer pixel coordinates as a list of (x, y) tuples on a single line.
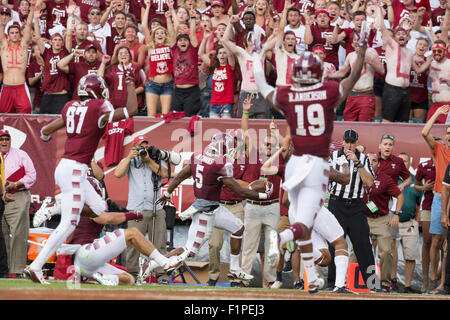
[(84, 121), (211, 170), (309, 108)]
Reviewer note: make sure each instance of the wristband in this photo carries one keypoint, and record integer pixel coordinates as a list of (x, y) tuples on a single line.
[(397, 213), (166, 194), (44, 136), (262, 196), (245, 112), (125, 112)]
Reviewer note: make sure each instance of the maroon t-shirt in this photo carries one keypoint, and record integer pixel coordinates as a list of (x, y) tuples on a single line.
[(437, 16), (380, 193), (81, 120), (54, 80), (115, 79), (393, 167), (207, 172), (426, 171), (418, 86), (114, 135), (113, 40), (185, 65), (79, 70), (158, 9), (400, 11), (56, 13), (238, 172), (320, 36), (310, 112)]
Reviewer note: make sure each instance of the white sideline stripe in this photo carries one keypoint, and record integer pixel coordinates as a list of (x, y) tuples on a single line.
[(100, 153)]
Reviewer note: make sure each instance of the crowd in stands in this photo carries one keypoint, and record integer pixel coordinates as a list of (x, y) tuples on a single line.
[(197, 56)]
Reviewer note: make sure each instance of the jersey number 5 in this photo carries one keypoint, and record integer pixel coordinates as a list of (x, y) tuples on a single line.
[(315, 120), (70, 118), (199, 176)]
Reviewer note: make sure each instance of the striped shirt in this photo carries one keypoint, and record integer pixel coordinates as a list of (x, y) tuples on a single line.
[(355, 189)]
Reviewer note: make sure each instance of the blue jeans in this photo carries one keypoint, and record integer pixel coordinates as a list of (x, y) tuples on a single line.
[(221, 110), (159, 89)]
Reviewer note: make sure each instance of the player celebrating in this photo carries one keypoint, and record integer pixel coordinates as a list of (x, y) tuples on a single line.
[(85, 122), (309, 107), (211, 170)]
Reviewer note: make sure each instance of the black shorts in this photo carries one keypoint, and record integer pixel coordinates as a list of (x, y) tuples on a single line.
[(378, 84), (53, 103), (396, 103), (421, 105), (187, 100)]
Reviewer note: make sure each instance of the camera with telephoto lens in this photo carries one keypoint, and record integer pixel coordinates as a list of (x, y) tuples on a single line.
[(157, 155)]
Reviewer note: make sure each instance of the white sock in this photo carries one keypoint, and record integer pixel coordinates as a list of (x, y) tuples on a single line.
[(158, 257), (234, 261), (285, 236), (310, 270), (341, 263)]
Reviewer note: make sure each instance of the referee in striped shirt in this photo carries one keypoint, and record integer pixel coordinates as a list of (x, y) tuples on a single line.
[(346, 203)]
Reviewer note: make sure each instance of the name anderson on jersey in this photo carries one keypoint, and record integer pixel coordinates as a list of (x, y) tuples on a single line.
[(307, 96)]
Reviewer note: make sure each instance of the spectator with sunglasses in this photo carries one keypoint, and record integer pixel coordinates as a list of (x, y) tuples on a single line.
[(97, 31), (20, 175)]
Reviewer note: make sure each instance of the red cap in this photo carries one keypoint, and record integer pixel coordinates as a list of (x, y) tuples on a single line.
[(321, 11), (217, 3), (5, 10), (4, 132), (139, 139)]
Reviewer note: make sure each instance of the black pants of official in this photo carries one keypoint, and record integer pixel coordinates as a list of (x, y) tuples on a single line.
[(4, 271), (353, 219)]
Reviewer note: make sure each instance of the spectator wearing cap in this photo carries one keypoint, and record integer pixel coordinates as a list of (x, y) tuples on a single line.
[(219, 16), (77, 68), (440, 151), (186, 95), (144, 189), (347, 204), (328, 68), (377, 199), (322, 33), (20, 175), (55, 83)]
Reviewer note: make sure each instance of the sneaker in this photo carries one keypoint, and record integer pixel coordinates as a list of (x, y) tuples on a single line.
[(288, 266), (273, 255), (105, 279), (239, 274), (164, 282), (147, 269), (299, 284), (394, 285), (276, 285), (211, 283), (343, 290), (43, 213), (35, 276), (314, 286), (411, 289), (175, 262)]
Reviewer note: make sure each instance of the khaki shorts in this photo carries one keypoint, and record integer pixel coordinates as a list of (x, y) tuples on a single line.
[(409, 239), (425, 215)]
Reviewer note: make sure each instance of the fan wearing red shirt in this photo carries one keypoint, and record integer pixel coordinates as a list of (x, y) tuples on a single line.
[(222, 67), (55, 83), (117, 32), (88, 65), (56, 13), (186, 95), (121, 68), (383, 188), (34, 74), (321, 33), (80, 41)]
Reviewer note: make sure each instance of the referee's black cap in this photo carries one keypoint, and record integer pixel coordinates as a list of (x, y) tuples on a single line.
[(351, 135)]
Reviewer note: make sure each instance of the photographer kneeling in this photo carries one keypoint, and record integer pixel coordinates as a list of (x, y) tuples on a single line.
[(142, 173)]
